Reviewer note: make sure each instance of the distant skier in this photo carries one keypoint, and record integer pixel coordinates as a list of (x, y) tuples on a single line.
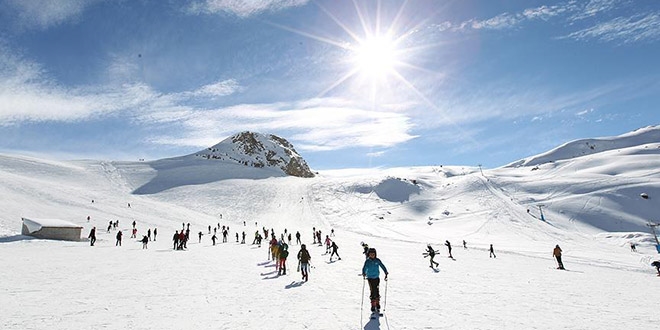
[(431, 254), (365, 248), (175, 239), (119, 234), (464, 245), (214, 238), (449, 248), (492, 252), (243, 238), (298, 238), (656, 264), (289, 238), (334, 248), (88, 217), (155, 233), (284, 253), (633, 247), (134, 223), (557, 254), (303, 260), (92, 236), (149, 234), (200, 236), (145, 240), (371, 272), (328, 242)]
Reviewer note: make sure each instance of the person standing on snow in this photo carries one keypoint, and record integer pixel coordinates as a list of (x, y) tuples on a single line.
[(328, 242), (119, 234), (431, 253), (449, 248), (303, 260), (557, 254), (145, 240), (284, 253), (334, 251), (92, 236), (298, 238), (371, 272), (155, 233), (492, 252), (656, 264)]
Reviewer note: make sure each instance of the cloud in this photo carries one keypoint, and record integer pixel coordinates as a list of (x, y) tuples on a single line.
[(242, 8), (42, 14), (623, 30), (316, 124)]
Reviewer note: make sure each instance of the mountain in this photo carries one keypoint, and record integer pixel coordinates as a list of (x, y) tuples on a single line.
[(585, 147), (260, 151), (592, 207)]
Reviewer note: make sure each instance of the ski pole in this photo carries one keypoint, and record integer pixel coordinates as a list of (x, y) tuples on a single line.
[(385, 302), (362, 302)]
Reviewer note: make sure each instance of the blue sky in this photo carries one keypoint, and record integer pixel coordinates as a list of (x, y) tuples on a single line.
[(349, 83)]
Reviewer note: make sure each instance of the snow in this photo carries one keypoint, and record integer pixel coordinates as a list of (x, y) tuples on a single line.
[(34, 225), (591, 204)]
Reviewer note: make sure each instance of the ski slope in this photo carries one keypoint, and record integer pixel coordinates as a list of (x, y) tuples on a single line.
[(591, 205)]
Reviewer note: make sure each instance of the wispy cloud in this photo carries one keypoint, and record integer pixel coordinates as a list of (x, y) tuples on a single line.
[(42, 14), (242, 8), (623, 30), (316, 124)]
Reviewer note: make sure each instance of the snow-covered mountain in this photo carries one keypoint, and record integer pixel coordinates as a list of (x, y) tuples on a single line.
[(649, 135), (260, 151), (592, 207)]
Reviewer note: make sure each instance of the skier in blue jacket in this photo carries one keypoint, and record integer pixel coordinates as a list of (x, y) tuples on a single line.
[(371, 272)]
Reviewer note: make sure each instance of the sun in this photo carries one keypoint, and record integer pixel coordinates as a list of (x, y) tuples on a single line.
[(375, 57)]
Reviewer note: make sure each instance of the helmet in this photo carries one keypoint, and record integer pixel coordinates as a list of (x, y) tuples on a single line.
[(372, 250), (302, 246)]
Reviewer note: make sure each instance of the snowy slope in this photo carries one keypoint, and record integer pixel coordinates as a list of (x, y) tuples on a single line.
[(591, 206), (585, 147)]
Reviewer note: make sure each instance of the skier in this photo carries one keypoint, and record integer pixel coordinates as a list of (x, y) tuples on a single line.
[(334, 250), (145, 240), (365, 248), (200, 236), (431, 253), (119, 234), (149, 234), (213, 238), (557, 254), (289, 238), (155, 233), (492, 252), (371, 272), (175, 239), (92, 236), (243, 238), (298, 237), (303, 260), (236, 237), (284, 252), (656, 264), (449, 248), (633, 247), (133, 223), (327, 244), (464, 245)]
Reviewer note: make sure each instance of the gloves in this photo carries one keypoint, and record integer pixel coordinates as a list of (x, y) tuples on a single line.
[(386, 277)]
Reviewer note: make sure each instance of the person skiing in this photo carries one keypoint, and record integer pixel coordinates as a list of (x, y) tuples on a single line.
[(449, 248), (334, 248), (557, 254), (145, 240), (464, 245), (149, 234), (656, 264), (200, 234), (118, 243), (365, 248), (175, 239), (633, 247), (214, 238), (492, 252), (328, 242), (92, 236), (284, 253), (303, 260), (371, 272), (155, 233), (298, 238), (431, 253)]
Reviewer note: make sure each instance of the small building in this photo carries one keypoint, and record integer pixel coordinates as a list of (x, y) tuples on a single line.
[(51, 229)]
